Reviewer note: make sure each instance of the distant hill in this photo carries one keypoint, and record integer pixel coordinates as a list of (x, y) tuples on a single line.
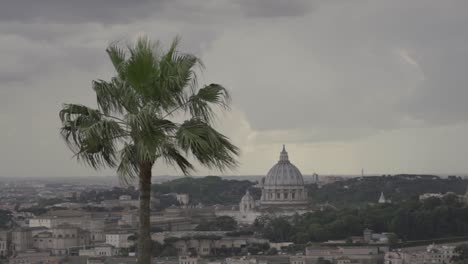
[(208, 190), (362, 190)]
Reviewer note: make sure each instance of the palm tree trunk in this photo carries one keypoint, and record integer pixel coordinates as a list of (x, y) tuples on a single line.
[(144, 236)]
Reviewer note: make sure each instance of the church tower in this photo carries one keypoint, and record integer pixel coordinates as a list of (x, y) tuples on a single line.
[(382, 199)]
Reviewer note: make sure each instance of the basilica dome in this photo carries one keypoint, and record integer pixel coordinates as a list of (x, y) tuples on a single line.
[(284, 173), (283, 184)]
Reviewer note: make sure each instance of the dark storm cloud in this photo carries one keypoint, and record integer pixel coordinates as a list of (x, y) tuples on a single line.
[(301, 71), (276, 8), (105, 11), (379, 65), (124, 11)]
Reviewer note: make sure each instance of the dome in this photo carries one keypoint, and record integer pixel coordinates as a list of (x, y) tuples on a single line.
[(247, 198), (284, 173)]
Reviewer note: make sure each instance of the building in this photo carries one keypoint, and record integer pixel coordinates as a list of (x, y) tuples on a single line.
[(183, 199), (21, 239), (40, 222), (99, 251), (346, 260), (203, 243), (247, 213), (355, 254), (283, 193), (242, 260), (438, 254), (125, 198), (60, 240), (119, 240), (395, 257), (297, 260), (5, 242), (188, 260), (375, 238), (33, 257), (283, 185)]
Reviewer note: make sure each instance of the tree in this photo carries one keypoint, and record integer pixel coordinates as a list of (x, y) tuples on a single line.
[(462, 251), (6, 219), (134, 124), (221, 223), (272, 251), (323, 261)]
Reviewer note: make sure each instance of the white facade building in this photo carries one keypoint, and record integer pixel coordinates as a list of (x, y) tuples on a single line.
[(188, 260), (40, 222), (99, 251), (119, 240), (438, 254)]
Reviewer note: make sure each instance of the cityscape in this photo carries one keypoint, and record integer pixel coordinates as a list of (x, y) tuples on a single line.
[(233, 132), (240, 221)]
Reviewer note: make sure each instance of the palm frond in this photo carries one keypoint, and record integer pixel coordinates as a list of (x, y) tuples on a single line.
[(201, 104), (116, 96), (90, 135), (208, 146), (128, 168), (177, 72), (142, 66), (173, 156), (118, 57)]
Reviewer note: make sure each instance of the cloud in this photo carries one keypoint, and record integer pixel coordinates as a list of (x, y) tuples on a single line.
[(339, 81), (276, 8), (105, 11), (330, 73)]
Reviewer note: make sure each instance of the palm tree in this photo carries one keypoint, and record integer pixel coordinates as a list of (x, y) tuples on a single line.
[(134, 124)]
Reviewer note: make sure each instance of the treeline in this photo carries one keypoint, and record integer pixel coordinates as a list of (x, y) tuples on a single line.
[(360, 191), (101, 195), (209, 190), (410, 220)]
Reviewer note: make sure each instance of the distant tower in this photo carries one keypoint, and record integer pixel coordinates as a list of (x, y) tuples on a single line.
[(382, 198), (367, 235), (183, 199), (315, 178), (362, 172)]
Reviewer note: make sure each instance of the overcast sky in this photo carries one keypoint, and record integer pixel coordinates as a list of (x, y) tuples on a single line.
[(345, 84)]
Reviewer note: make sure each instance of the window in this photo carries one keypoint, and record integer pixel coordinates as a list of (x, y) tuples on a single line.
[(277, 195)]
